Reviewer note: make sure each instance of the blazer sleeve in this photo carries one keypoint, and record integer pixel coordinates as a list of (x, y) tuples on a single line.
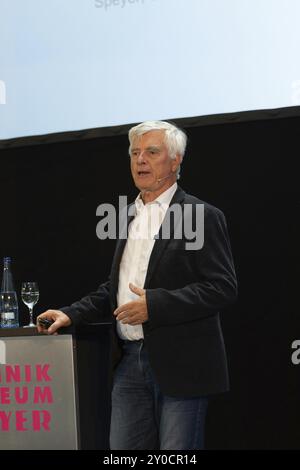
[(215, 286), (95, 307)]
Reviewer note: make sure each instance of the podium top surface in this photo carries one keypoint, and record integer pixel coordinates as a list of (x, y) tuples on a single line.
[(8, 332), (32, 331)]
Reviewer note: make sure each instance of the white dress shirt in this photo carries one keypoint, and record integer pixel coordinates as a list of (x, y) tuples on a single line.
[(137, 251)]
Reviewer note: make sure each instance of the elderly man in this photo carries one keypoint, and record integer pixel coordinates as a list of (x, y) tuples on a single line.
[(164, 296)]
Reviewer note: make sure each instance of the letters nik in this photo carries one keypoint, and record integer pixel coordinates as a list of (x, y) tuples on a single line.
[(111, 460)]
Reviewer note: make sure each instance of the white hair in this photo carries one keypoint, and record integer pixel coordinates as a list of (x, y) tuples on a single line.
[(175, 138)]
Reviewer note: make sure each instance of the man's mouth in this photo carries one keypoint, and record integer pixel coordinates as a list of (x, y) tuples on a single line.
[(143, 173)]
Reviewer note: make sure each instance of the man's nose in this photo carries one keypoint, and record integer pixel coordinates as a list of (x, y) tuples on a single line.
[(141, 158)]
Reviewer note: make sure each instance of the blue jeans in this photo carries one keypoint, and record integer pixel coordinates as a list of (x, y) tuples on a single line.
[(145, 419)]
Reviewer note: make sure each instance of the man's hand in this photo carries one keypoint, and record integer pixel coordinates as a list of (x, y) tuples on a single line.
[(60, 320), (135, 312)]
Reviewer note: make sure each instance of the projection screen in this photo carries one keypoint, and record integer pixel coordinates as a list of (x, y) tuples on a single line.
[(77, 64)]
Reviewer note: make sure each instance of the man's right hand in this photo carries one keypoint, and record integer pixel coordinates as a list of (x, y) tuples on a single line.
[(60, 320)]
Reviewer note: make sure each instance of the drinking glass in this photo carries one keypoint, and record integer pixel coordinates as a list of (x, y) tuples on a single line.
[(30, 296)]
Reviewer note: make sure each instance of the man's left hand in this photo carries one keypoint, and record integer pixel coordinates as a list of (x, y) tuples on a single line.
[(135, 312)]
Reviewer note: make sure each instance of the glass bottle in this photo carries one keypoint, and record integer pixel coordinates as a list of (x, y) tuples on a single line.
[(8, 298)]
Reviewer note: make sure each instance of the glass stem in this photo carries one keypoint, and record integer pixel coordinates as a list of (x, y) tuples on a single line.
[(31, 315)]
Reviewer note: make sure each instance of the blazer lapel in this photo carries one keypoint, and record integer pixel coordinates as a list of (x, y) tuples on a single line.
[(125, 220), (161, 244)]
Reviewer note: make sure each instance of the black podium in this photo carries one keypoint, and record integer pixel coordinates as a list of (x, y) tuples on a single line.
[(55, 390)]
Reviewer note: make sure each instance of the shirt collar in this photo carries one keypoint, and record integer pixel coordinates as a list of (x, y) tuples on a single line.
[(163, 199)]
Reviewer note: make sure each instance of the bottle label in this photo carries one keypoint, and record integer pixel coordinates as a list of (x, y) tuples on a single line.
[(8, 315)]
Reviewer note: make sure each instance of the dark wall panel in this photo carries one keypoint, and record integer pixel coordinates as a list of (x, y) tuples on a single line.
[(50, 194)]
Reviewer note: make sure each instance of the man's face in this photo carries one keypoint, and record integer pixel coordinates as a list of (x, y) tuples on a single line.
[(151, 167)]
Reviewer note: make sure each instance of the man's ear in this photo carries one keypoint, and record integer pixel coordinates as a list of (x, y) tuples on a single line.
[(176, 162)]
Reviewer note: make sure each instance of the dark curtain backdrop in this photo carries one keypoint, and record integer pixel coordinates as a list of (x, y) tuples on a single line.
[(50, 193)]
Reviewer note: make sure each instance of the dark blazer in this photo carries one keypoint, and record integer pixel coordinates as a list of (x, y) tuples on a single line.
[(185, 290)]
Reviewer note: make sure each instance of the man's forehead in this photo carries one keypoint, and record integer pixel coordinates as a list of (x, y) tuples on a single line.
[(154, 137)]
